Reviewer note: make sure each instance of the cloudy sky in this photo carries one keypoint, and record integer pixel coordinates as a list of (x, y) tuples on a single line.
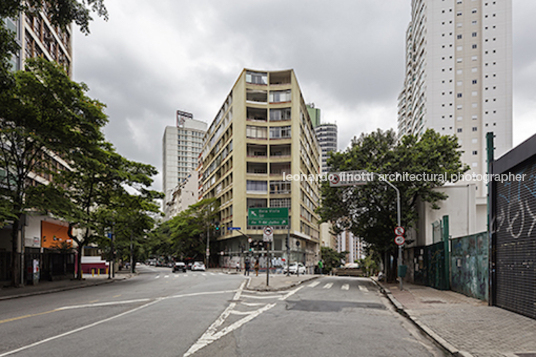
[(154, 57)]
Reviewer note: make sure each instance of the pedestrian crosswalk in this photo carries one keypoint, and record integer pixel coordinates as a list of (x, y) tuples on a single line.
[(344, 286)]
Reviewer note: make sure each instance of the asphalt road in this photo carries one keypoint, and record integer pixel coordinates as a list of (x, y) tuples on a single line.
[(158, 313)]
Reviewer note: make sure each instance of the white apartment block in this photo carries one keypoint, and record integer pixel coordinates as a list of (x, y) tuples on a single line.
[(182, 145), (459, 75), (326, 134)]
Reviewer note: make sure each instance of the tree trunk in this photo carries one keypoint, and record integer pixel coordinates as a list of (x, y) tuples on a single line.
[(15, 257)]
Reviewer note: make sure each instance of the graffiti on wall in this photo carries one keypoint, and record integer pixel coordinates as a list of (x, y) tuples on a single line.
[(469, 265)]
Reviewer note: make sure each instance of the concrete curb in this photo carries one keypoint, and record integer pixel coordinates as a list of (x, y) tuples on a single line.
[(279, 289), (64, 288), (434, 336)]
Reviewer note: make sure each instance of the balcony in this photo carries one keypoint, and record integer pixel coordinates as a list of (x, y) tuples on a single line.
[(257, 151), (257, 114), (280, 78), (256, 168), (279, 168), (256, 96), (280, 151)]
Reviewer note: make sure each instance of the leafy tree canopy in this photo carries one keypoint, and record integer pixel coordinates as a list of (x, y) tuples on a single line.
[(369, 211)]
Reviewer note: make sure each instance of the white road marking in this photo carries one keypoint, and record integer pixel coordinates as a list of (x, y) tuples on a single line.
[(345, 287), (156, 277), (313, 284), (166, 276), (103, 304), (262, 297), (212, 274), (328, 286), (290, 293), (252, 303), (76, 330), (176, 276), (362, 288), (235, 312)]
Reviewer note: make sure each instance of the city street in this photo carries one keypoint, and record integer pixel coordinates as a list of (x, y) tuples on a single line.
[(158, 313)]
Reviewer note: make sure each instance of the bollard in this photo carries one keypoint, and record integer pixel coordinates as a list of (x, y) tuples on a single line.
[(93, 272), (98, 272), (106, 271)]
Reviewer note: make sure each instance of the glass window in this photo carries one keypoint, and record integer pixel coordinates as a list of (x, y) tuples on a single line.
[(256, 77), (280, 96), (257, 186)]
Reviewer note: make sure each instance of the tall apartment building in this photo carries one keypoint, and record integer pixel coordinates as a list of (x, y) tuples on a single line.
[(347, 242), (38, 38), (314, 114), (260, 136), (326, 134), (459, 75), (182, 145)]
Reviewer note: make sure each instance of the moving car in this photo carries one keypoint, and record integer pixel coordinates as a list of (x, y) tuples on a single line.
[(293, 267), (198, 266), (179, 266)]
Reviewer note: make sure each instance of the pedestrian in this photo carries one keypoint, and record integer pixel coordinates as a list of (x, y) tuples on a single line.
[(256, 267), (237, 267), (320, 266), (246, 268)]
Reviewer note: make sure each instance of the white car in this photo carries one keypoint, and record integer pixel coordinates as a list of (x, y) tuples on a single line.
[(198, 266), (295, 267)]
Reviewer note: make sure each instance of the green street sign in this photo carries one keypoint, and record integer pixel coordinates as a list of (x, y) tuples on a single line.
[(268, 216)]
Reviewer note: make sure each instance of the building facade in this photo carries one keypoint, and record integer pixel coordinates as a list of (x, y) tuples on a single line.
[(183, 195), (459, 75), (261, 140), (326, 135), (181, 146)]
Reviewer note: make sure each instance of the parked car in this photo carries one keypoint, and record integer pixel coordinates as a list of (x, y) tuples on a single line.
[(295, 267), (198, 266), (179, 266)]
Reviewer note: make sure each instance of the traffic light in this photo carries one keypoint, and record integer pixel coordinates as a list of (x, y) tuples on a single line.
[(217, 226)]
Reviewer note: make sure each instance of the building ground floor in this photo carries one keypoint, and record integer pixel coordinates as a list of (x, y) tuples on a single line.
[(231, 251)]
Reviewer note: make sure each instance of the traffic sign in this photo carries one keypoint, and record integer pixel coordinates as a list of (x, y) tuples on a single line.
[(399, 240), (400, 231), (268, 216), (233, 228), (268, 234)]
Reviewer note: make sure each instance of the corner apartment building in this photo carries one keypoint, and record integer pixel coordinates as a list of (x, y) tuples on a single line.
[(459, 75), (262, 134), (181, 147)]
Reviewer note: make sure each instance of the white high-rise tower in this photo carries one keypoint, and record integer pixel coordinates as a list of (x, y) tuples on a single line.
[(459, 75)]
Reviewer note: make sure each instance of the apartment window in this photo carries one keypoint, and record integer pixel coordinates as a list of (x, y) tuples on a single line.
[(475, 152), (474, 81), (280, 114), (279, 187), (459, 83), (280, 202), (459, 60), (459, 107), (459, 37), (256, 77), (474, 117), (280, 96), (474, 141), (474, 22), (474, 105), (280, 132), (459, 130), (474, 58), (459, 48), (474, 46), (474, 34), (474, 69), (256, 132), (474, 93), (474, 128), (256, 186), (459, 13), (459, 95), (459, 118), (473, 11)]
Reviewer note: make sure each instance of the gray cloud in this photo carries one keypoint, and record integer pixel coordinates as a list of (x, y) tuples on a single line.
[(152, 58)]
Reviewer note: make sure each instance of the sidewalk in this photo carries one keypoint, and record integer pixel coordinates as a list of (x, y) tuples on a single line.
[(46, 287), (462, 325)]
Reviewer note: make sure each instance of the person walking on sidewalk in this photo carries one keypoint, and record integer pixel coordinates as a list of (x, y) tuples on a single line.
[(256, 267), (320, 266), (237, 267), (246, 268)]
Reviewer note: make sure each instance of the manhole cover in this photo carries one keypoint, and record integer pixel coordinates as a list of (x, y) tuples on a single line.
[(330, 306)]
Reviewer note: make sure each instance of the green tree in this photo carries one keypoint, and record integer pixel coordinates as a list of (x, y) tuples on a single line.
[(331, 258), (370, 211), (44, 116)]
